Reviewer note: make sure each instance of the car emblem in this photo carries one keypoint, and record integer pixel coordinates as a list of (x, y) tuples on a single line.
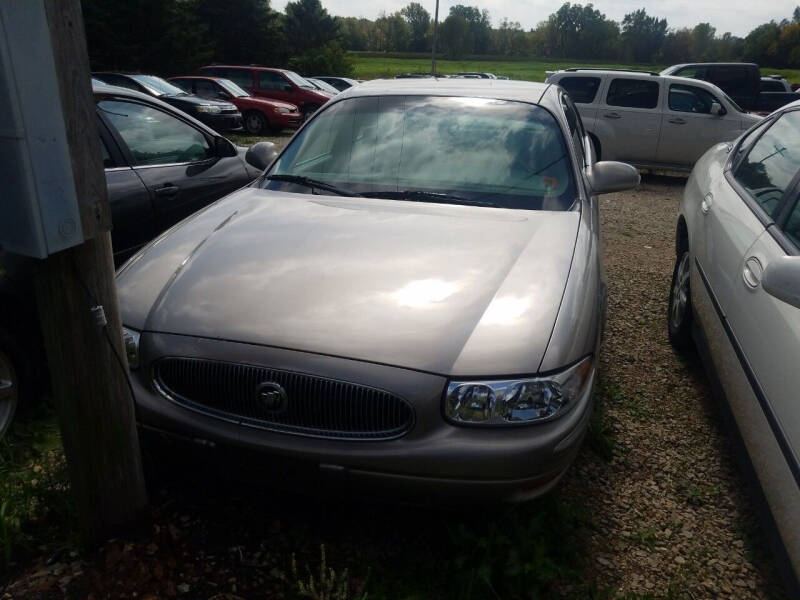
[(271, 397)]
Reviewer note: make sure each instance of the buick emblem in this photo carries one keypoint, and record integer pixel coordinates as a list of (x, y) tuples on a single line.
[(271, 397)]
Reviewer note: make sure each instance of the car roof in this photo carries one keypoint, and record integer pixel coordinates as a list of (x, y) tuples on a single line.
[(501, 89), (712, 64), (251, 67)]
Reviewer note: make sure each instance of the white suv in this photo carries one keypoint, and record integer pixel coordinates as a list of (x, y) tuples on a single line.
[(652, 120)]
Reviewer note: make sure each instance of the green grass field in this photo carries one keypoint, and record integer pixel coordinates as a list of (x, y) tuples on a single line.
[(528, 70)]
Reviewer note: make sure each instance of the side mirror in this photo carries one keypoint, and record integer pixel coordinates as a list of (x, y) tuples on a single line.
[(717, 109), (781, 279), (224, 148), (261, 155), (609, 176)]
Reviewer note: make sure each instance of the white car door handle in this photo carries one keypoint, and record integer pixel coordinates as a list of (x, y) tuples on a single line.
[(677, 121), (752, 272), (707, 202), (612, 115)]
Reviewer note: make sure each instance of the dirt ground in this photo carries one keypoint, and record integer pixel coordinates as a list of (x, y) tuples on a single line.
[(653, 507)]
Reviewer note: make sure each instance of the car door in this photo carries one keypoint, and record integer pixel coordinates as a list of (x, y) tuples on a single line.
[(629, 120), (766, 328), (132, 213), (688, 127), (174, 159)]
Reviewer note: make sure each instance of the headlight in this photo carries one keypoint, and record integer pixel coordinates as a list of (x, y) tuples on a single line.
[(282, 110), (517, 401), (209, 109), (131, 341)]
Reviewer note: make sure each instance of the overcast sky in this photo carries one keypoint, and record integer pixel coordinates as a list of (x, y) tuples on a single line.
[(736, 16)]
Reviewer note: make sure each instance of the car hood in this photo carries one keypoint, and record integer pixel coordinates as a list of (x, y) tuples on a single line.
[(445, 289)]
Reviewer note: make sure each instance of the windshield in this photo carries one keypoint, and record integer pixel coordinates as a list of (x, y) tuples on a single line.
[(478, 150), (297, 80), (158, 86), (233, 89)]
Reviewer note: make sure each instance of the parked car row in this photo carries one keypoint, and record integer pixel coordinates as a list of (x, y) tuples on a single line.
[(229, 97), (652, 120)]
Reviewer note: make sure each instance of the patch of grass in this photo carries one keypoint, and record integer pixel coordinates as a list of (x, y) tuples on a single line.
[(35, 504), (698, 494), (528, 69), (645, 537), (328, 585)]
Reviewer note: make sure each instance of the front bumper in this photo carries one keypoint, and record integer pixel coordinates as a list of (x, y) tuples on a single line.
[(222, 121), (434, 461)]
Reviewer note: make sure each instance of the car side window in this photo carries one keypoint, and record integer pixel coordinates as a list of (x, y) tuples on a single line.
[(241, 77), (582, 90), (267, 80), (633, 93), (772, 86), (690, 98), (206, 89), (108, 162), (792, 226), (693, 72), (154, 137), (772, 163), (184, 84)]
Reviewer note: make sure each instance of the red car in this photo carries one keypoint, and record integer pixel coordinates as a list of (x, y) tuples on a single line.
[(258, 114), (277, 84)]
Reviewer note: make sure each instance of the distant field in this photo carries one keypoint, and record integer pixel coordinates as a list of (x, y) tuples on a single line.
[(528, 70)]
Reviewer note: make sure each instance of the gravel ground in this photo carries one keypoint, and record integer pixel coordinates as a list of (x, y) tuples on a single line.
[(670, 506), (660, 508)]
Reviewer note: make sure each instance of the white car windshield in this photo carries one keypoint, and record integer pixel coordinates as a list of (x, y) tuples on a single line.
[(297, 80), (432, 148), (233, 89)]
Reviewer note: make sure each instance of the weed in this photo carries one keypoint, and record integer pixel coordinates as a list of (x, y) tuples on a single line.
[(698, 494), (600, 435), (645, 537), (329, 586)]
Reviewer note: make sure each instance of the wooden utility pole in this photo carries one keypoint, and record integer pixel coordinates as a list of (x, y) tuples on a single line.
[(87, 360), (435, 28)]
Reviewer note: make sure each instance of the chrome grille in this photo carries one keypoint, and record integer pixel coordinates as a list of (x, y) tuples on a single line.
[(314, 406)]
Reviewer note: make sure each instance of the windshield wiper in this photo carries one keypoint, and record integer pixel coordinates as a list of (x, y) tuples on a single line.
[(420, 196), (311, 183)]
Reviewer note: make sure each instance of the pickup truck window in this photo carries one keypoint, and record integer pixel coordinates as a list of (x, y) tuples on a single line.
[(772, 85), (693, 72), (689, 98), (772, 163), (154, 137), (633, 93), (582, 90)]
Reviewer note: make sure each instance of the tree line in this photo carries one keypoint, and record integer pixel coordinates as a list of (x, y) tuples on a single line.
[(574, 31), (177, 36)]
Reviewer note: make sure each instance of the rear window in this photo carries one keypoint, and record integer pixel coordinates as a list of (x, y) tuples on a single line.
[(483, 151), (582, 90), (633, 93), (770, 85)]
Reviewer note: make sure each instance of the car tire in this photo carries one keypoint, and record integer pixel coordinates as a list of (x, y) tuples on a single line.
[(679, 314), (12, 366), (309, 110), (255, 123)]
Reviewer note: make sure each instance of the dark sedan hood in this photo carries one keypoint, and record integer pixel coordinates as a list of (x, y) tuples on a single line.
[(445, 289)]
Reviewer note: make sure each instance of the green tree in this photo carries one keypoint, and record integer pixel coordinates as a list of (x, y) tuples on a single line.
[(242, 31), (478, 36), (453, 35), (703, 43), (642, 35), (308, 26), (761, 45), (419, 21)]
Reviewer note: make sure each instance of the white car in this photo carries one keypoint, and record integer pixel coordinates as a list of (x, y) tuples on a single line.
[(650, 120), (736, 294)]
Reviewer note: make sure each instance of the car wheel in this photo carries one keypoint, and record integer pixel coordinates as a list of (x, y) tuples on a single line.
[(9, 384), (309, 110), (679, 316), (255, 123)]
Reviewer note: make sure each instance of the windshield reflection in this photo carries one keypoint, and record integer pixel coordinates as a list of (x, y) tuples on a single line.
[(508, 154)]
